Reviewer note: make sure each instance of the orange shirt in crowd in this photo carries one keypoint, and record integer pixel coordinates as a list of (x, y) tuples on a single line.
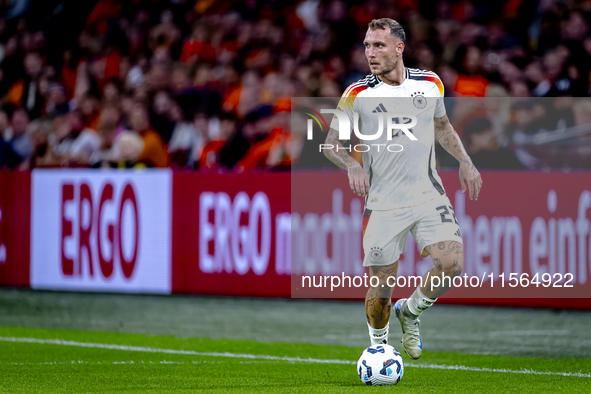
[(232, 99), (154, 149), (211, 153), (272, 151), (471, 86), (16, 93)]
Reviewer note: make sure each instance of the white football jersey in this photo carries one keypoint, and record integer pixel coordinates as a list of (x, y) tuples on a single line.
[(401, 170)]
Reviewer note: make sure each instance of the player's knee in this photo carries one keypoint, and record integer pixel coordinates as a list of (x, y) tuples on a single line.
[(383, 277), (380, 288), (382, 281)]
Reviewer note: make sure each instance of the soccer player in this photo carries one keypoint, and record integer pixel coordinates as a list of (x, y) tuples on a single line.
[(402, 189)]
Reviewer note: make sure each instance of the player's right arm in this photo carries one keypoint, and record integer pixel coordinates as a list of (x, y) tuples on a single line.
[(358, 178)]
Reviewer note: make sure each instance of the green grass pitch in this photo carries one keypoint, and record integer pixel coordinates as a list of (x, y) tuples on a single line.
[(70, 361)]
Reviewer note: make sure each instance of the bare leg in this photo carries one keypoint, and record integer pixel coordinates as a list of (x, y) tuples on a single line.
[(378, 301), (448, 258)]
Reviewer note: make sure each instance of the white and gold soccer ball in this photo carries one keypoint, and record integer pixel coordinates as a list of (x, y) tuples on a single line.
[(380, 365)]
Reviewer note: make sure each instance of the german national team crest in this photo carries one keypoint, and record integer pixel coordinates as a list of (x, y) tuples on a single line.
[(376, 253), (419, 101)]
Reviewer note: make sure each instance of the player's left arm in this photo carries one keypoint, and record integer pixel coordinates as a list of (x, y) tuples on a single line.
[(450, 140)]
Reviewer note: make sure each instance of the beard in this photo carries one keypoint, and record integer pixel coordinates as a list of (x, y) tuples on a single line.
[(388, 66)]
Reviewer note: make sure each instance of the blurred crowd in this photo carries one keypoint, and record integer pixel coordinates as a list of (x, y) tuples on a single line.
[(207, 84), (541, 133)]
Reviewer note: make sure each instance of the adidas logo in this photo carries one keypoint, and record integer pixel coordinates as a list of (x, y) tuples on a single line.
[(379, 108), (458, 233)]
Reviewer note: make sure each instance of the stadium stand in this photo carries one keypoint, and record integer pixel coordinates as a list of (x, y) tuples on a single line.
[(206, 85)]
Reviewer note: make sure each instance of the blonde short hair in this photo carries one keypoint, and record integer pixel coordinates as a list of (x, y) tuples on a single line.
[(386, 23)]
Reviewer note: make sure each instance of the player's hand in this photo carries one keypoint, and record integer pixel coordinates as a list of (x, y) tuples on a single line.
[(469, 175), (358, 180)]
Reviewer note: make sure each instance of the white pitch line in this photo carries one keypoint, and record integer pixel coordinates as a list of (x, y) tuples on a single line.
[(126, 362), (273, 358), (529, 333), (519, 371), (171, 351)]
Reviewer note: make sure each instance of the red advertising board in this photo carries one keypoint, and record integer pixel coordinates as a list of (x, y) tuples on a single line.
[(15, 217), (259, 234), (225, 234), (532, 229), (533, 224), (528, 223), (503, 236)]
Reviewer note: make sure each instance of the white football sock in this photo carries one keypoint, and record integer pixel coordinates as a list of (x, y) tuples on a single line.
[(377, 335), (418, 302)]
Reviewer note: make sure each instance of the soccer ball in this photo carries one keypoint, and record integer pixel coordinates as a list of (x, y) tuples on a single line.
[(380, 365)]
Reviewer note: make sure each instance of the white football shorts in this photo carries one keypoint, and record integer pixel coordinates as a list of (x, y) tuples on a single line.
[(385, 232)]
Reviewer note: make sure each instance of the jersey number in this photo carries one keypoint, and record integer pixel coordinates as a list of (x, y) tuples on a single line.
[(443, 211), (397, 121)]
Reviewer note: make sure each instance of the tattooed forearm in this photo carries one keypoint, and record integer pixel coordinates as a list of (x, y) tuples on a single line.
[(449, 139), (338, 154), (470, 178)]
